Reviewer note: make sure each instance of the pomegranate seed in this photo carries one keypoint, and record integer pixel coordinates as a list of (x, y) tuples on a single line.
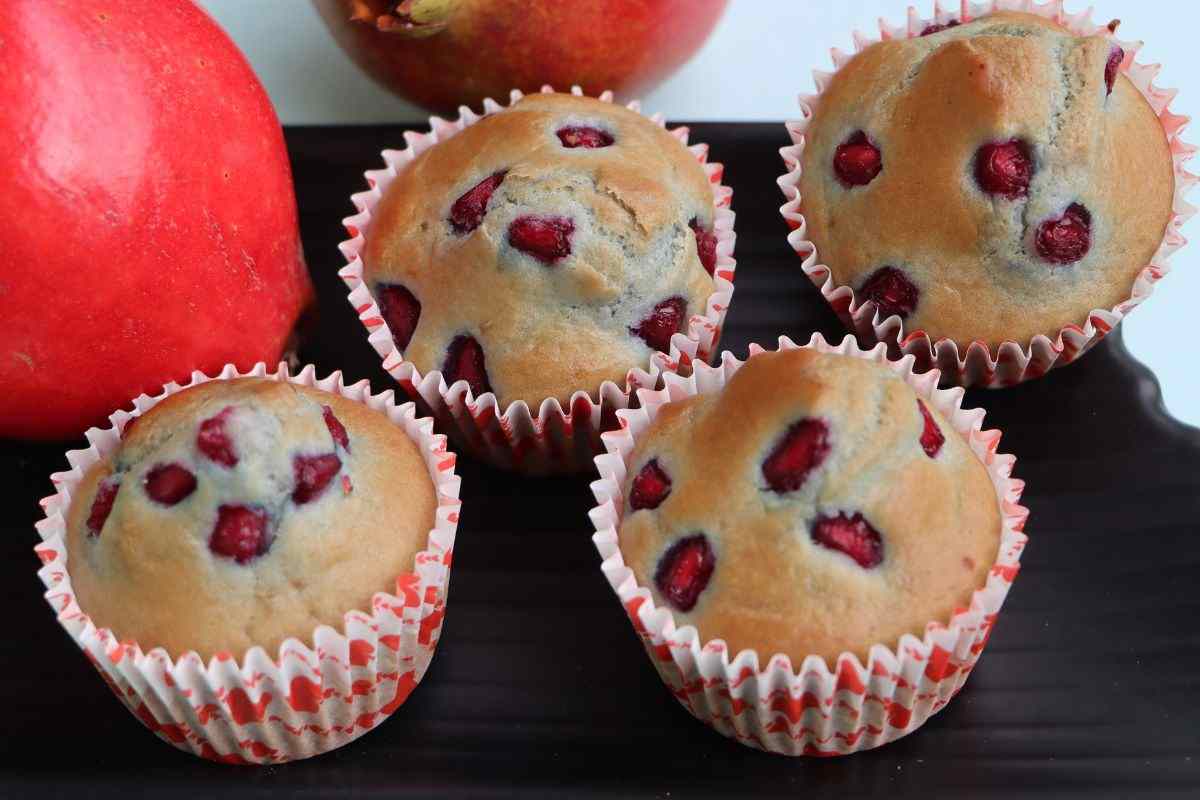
[(857, 162), (852, 535), (548, 239), (169, 483), (312, 475), (336, 429), (891, 291), (802, 449), (938, 28), (932, 437), (666, 319), (467, 212), (464, 361), (684, 571), (106, 495), (401, 310), (240, 533), (1004, 168), (1067, 239), (1115, 57), (584, 136), (706, 246), (650, 487), (213, 440)]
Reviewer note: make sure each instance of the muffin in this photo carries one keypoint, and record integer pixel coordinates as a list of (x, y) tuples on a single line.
[(990, 181), (813, 506), (544, 249), (245, 512)]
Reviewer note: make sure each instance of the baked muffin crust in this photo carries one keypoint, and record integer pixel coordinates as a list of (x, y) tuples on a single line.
[(785, 474), (184, 572), (543, 326), (977, 256)]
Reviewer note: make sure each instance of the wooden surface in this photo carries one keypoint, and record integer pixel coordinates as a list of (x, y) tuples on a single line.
[(1089, 686)]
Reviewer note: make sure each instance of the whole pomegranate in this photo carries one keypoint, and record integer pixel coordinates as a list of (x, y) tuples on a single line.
[(443, 53), (147, 219)]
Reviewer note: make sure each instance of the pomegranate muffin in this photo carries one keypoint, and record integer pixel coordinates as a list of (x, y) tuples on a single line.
[(245, 512), (840, 511), (990, 181), (544, 249)]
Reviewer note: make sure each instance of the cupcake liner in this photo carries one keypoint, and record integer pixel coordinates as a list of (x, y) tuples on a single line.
[(812, 710), (554, 440), (1012, 362), (309, 700)]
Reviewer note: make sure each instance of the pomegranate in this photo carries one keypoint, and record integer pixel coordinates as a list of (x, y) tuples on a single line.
[(147, 220), (443, 53)]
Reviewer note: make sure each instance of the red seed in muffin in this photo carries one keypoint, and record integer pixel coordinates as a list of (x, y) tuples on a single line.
[(706, 246), (401, 310), (169, 483), (468, 211), (548, 239), (465, 361), (932, 437), (650, 487), (1004, 168), (1067, 239), (851, 535), (336, 429), (1115, 57), (213, 440), (312, 475), (106, 495), (892, 292), (584, 136), (938, 28), (240, 533), (802, 449), (685, 570), (664, 321), (857, 162)]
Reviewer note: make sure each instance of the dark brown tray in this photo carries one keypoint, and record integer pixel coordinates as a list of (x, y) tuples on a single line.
[(1088, 687)]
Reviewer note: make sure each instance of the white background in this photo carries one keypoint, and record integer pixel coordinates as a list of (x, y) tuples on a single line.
[(760, 56)]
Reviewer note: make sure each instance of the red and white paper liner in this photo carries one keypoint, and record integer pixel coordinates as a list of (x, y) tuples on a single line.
[(762, 700), (1012, 362), (555, 440), (311, 698)]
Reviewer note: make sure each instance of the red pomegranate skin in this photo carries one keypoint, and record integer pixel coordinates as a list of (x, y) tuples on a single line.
[(488, 47), (147, 217)]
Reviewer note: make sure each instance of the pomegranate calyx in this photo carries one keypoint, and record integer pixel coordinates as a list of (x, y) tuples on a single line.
[(414, 19)]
